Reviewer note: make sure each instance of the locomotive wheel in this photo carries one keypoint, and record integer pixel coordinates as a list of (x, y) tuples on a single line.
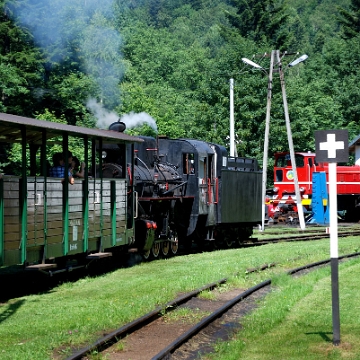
[(174, 244), (146, 254), (165, 248), (155, 250), (228, 243), (243, 234)]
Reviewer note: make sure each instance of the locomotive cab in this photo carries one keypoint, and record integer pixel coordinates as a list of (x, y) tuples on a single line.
[(283, 191)]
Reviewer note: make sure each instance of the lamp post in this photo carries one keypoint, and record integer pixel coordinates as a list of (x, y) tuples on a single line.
[(232, 127), (289, 134), (267, 129)]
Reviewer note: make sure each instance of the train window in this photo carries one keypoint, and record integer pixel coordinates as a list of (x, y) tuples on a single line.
[(188, 163), (202, 168), (310, 162), (279, 175), (281, 161), (211, 167), (299, 160)]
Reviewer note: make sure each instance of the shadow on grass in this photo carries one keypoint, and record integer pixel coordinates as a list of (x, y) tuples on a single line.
[(322, 334), (15, 282), (10, 310)]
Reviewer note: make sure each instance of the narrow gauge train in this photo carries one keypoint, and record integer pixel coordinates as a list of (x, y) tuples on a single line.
[(282, 198), (140, 194)]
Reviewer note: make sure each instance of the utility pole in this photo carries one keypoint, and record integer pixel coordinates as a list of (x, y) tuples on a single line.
[(288, 127), (291, 145), (266, 140)]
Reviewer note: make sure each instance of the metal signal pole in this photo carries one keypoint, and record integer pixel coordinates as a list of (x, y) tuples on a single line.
[(288, 127), (266, 140), (291, 145), (232, 127)]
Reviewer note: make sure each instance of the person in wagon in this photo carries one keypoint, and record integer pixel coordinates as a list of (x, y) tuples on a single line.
[(58, 168), (77, 168)]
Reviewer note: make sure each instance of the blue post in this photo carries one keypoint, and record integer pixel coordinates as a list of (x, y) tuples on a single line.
[(320, 200)]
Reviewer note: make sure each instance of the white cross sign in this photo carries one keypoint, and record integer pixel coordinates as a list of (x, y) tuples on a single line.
[(332, 146)]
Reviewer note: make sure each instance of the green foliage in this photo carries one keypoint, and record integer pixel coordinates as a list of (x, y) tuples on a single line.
[(20, 66), (173, 61), (262, 21), (350, 20)]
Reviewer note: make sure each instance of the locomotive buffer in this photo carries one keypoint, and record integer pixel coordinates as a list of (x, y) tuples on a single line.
[(331, 147)]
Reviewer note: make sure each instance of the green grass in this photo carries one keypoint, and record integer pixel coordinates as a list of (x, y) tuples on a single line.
[(73, 315), (279, 231), (185, 315)]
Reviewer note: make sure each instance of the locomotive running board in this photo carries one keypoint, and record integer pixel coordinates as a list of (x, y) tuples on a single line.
[(40, 267), (99, 255)]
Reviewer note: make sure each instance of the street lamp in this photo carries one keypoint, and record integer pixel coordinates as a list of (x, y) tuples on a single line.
[(288, 127), (251, 63), (267, 128), (298, 60)]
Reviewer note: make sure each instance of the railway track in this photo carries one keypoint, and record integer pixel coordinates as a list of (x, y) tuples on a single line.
[(151, 337), (304, 237)]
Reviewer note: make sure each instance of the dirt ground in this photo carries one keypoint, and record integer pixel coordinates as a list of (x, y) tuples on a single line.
[(149, 341)]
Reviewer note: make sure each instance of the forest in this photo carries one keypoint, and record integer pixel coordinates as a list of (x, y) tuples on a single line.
[(164, 67)]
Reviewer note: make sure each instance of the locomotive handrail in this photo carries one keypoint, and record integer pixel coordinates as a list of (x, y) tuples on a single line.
[(216, 191), (136, 204), (174, 188), (129, 172), (209, 191)]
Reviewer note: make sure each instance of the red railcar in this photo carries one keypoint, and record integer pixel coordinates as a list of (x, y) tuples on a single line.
[(282, 197)]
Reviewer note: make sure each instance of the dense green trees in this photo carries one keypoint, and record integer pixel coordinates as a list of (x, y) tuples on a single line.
[(350, 20), (21, 66), (264, 22), (173, 61)]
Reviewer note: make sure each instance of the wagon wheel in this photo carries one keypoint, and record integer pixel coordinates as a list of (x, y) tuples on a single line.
[(146, 254), (165, 248), (155, 249), (174, 243)]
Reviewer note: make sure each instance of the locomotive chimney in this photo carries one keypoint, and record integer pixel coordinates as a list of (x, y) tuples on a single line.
[(118, 126)]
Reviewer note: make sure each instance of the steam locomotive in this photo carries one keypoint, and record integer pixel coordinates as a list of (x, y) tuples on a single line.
[(191, 192), (140, 194)]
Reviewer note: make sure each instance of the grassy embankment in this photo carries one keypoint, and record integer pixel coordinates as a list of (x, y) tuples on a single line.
[(296, 318)]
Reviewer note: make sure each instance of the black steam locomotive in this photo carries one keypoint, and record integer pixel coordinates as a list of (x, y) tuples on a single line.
[(189, 192)]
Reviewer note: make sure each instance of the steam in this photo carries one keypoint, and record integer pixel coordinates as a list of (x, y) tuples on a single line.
[(84, 30), (81, 30), (137, 119), (105, 118)]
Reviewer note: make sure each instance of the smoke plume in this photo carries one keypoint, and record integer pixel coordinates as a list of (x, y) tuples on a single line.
[(105, 118)]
